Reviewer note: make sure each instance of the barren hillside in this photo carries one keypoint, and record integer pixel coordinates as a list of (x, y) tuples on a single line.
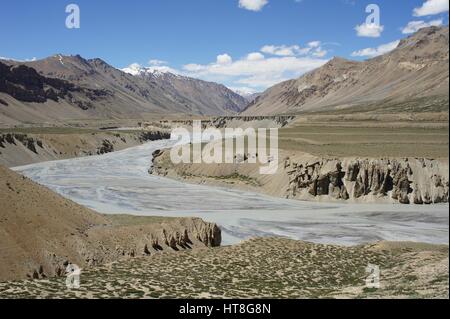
[(40, 232), (61, 88), (416, 69)]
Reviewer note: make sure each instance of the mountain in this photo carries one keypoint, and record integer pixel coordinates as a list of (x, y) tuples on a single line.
[(249, 96), (71, 87), (202, 95), (418, 68)]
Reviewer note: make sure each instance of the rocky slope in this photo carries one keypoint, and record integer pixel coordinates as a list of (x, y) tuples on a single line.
[(417, 68), (41, 232), (197, 96), (60, 88), (25, 84)]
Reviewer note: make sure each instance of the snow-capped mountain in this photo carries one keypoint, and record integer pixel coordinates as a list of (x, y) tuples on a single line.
[(136, 69), (87, 88), (249, 95), (199, 94)]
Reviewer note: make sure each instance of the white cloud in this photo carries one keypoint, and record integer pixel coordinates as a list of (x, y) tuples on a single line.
[(414, 26), (371, 30), (373, 52), (192, 67), (260, 70), (281, 50), (252, 5), (257, 73), (255, 56), (431, 7), (314, 44), (293, 50), (224, 59), (320, 53), (253, 72), (156, 62), (18, 60)]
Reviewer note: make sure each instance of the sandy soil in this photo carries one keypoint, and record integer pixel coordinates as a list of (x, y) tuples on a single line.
[(260, 268)]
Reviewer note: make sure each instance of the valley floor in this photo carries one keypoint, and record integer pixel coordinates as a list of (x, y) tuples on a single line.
[(260, 268), (266, 267)]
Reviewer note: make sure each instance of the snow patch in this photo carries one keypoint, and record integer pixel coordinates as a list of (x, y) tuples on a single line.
[(61, 59)]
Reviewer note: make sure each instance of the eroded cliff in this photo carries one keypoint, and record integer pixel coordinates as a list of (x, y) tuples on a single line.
[(417, 181), (307, 177)]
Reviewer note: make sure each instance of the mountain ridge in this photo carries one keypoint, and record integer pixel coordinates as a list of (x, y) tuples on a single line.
[(190, 87), (417, 68), (116, 93)]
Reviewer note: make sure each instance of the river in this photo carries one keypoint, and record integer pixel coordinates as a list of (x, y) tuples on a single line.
[(119, 183)]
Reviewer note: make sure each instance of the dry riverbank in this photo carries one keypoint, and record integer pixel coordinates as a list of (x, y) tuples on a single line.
[(32, 145), (311, 178), (370, 159)]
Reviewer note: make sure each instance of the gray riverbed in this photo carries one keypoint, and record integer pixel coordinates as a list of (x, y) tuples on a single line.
[(119, 183)]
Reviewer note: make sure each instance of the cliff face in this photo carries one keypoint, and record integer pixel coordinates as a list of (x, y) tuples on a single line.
[(130, 239), (311, 178), (101, 244), (417, 181)]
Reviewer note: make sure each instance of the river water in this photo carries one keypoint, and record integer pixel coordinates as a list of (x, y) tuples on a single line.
[(119, 183)]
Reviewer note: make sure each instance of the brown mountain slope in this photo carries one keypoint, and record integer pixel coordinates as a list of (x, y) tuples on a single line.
[(202, 95), (198, 96), (41, 231), (417, 68), (37, 225), (165, 92), (95, 89)]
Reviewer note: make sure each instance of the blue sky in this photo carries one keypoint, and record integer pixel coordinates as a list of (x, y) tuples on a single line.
[(246, 44)]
